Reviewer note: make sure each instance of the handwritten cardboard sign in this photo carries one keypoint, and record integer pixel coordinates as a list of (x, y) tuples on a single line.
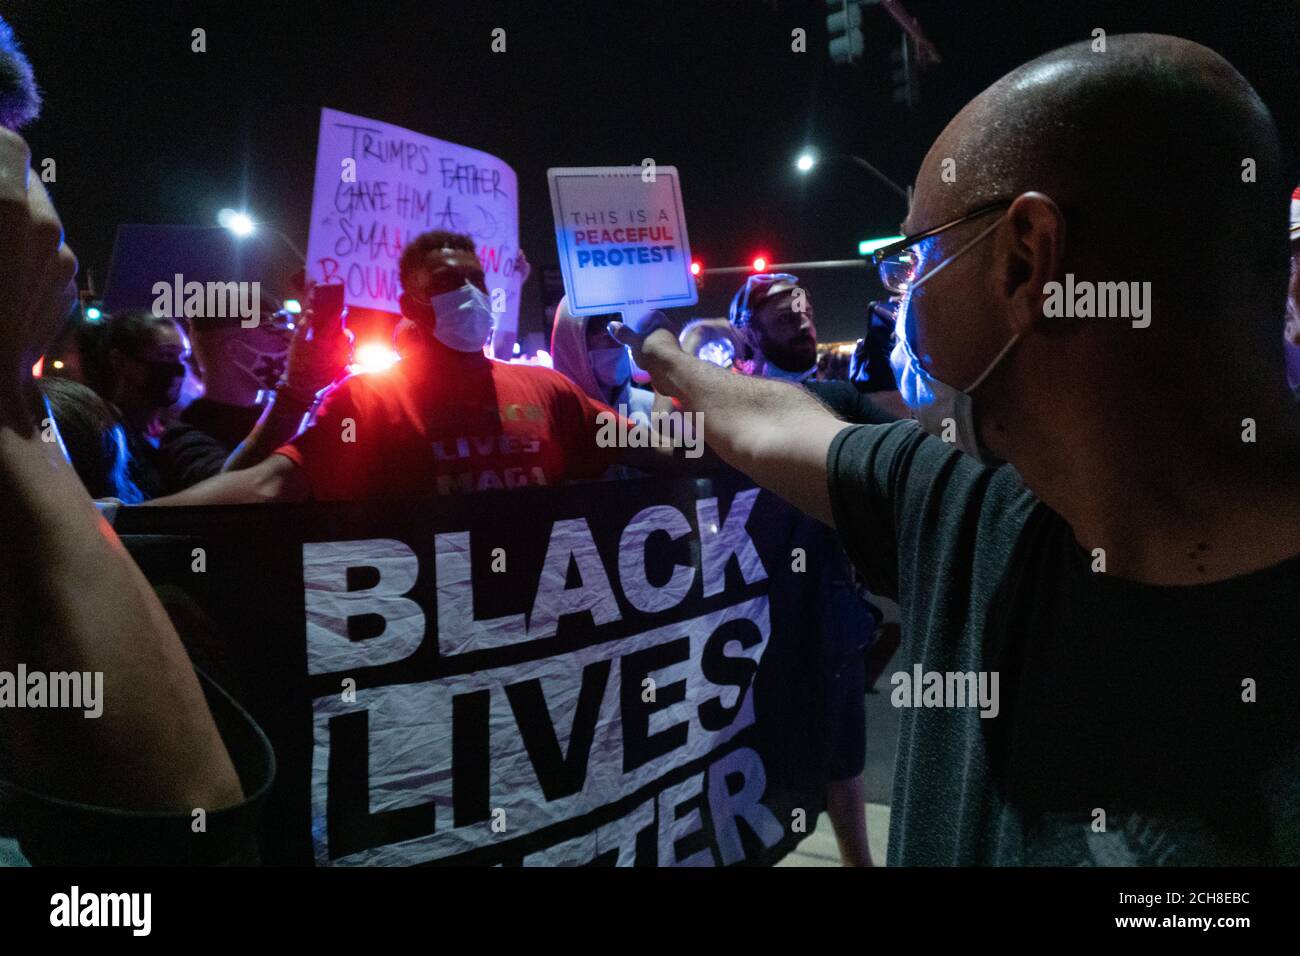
[(378, 186)]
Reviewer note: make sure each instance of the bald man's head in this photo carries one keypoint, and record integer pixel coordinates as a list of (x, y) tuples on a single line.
[(1143, 146), (1152, 164)]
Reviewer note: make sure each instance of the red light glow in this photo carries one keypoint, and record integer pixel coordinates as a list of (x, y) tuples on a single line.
[(373, 357)]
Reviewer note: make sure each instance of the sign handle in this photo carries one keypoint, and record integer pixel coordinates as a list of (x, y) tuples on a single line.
[(640, 320)]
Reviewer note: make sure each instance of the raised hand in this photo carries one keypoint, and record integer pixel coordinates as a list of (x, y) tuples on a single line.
[(318, 355), (651, 347)]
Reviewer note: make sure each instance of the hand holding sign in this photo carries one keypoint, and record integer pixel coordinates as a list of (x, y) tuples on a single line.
[(622, 241), (653, 345)]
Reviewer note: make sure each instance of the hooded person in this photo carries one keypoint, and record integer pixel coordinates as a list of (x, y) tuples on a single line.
[(583, 350)]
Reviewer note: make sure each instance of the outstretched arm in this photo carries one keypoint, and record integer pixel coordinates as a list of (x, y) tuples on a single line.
[(275, 479), (772, 431), (281, 421)]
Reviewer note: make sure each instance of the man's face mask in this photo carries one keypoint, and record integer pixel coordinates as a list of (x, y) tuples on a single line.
[(162, 383), (612, 367), (462, 318), (263, 367), (940, 407)]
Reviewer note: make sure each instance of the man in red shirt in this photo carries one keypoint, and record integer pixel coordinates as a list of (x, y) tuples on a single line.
[(444, 420)]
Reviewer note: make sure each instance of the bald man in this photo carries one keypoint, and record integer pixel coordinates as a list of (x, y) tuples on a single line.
[(1102, 657)]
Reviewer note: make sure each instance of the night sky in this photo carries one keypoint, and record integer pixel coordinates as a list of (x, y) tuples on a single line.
[(144, 130)]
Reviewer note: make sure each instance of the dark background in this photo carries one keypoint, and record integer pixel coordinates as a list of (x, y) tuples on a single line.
[(144, 130)]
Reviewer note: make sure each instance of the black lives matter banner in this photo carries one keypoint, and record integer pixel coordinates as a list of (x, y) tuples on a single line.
[(610, 673)]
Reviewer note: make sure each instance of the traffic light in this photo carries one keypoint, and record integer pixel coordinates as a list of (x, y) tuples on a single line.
[(91, 307), (904, 75), (844, 27), (760, 264)]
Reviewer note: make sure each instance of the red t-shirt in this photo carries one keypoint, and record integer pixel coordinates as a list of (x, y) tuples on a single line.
[(464, 423)]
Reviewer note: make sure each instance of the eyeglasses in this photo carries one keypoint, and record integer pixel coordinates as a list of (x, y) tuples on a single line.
[(898, 262)]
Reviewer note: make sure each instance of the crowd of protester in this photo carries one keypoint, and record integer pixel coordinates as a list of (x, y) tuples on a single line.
[(174, 412)]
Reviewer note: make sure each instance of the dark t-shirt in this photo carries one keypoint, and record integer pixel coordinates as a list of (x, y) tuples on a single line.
[(1136, 724), (198, 445), (464, 424)]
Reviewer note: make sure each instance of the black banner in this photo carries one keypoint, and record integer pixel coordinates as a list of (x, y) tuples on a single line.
[(616, 673)]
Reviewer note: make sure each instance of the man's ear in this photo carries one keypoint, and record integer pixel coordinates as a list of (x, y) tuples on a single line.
[(1032, 253)]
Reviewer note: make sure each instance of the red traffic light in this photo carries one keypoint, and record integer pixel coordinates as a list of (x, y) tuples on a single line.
[(696, 268), (760, 264)]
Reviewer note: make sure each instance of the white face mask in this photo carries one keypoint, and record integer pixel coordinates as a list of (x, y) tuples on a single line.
[(937, 403), (462, 318)]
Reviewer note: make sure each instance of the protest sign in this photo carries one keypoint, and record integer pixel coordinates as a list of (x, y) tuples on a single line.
[(621, 234), (619, 673), (379, 185)]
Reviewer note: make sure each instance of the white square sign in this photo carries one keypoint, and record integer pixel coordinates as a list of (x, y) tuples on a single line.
[(621, 234)]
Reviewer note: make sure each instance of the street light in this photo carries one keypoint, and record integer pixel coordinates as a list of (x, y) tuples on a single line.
[(807, 160), (240, 223), (243, 226)]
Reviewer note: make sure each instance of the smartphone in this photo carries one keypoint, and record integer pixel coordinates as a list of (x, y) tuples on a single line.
[(326, 305)]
